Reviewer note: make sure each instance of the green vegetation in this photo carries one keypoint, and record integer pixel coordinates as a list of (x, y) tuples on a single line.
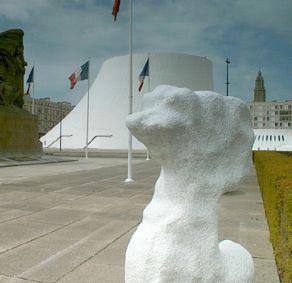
[(274, 171)]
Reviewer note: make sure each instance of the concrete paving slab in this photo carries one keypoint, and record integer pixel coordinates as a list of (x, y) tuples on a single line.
[(8, 279), (266, 271), (18, 232), (71, 222), (12, 214), (115, 253), (33, 160), (52, 268), (56, 216), (95, 273)]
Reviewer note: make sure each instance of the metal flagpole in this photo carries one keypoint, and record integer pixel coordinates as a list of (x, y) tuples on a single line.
[(129, 179), (60, 126), (87, 118), (227, 82), (33, 88), (147, 150)]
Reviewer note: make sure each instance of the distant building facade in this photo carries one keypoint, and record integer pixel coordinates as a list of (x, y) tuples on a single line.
[(269, 115), (49, 113)]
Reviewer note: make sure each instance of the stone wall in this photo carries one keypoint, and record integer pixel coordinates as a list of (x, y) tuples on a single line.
[(11, 67), (18, 132)]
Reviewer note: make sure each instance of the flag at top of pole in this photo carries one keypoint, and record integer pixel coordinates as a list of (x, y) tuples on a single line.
[(29, 81), (116, 8), (80, 74), (144, 73)]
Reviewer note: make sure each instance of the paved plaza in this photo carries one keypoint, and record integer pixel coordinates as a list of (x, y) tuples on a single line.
[(70, 222)]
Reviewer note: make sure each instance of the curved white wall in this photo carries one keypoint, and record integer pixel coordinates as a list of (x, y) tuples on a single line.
[(109, 97)]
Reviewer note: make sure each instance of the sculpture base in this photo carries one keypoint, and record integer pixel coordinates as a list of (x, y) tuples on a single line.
[(18, 132)]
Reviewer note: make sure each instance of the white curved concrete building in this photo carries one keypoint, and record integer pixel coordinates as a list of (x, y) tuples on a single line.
[(273, 139), (109, 98)]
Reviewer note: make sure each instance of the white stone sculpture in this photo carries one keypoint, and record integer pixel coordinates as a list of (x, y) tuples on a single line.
[(203, 142)]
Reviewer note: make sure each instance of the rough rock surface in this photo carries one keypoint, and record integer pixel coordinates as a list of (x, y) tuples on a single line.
[(203, 142), (11, 67)]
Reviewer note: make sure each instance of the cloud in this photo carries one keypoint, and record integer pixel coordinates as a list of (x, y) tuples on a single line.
[(61, 34)]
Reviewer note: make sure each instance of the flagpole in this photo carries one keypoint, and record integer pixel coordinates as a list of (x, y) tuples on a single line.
[(147, 150), (87, 118), (129, 179), (33, 84), (60, 125)]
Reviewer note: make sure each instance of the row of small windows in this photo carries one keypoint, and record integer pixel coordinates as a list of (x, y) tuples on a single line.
[(269, 137), (282, 113), (276, 107), (272, 124)]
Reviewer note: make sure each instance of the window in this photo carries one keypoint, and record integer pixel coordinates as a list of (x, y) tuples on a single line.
[(259, 137), (285, 118), (275, 138), (270, 138), (279, 137), (289, 124), (285, 112), (276, 112), (276, 106), (267, 137), (281, 107), (282, 138), (276, 124), (255, 118)]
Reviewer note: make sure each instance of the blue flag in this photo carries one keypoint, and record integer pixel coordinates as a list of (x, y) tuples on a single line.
[(144, 73), (30, 80)]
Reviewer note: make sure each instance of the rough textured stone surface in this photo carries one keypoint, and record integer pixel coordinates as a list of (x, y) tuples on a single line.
[(18, 128), (11, 67), (203, 142), (18, 132)]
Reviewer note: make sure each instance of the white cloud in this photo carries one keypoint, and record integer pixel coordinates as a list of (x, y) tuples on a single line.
[(61, 34)]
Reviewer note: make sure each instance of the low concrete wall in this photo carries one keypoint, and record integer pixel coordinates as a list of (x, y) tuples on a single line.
[(18, 132)]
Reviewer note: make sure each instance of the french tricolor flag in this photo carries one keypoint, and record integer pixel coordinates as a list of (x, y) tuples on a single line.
[(144, 73), (79, 75)]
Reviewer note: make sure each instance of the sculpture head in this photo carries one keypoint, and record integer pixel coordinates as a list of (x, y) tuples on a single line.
[(201, 131)]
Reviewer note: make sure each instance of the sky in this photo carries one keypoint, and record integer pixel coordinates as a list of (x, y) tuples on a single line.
[(60, 35)]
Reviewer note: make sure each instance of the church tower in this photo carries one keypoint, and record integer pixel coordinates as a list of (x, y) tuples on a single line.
[(259, 91)]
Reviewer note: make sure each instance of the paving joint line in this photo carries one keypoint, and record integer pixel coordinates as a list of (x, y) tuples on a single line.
[(29, 214), (42, 236), (16, 218), (25, 279), (99, 251)]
